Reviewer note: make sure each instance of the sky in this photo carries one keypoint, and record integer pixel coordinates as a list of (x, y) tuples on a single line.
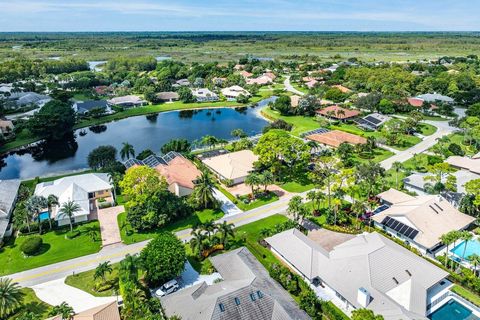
[(239, 15)]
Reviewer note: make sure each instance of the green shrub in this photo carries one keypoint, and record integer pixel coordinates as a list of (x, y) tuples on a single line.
[(31, 245), (72, 234), (207, 267)]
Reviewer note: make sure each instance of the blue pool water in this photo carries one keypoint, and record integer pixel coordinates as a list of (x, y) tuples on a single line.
[(473, 246), (453, 310), (44, 216)]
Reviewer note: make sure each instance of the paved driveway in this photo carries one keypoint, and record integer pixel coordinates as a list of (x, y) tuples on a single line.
[(227, 206), (55, 292), (109, 226), (289, 87)]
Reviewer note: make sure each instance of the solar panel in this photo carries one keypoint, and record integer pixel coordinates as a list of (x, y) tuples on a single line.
[(400, 227), (153, 161), (316, 131), (372, 119), (131, 162), (170, 156)]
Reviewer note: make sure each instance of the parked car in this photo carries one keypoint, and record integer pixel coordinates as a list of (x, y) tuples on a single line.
[(167, 288)]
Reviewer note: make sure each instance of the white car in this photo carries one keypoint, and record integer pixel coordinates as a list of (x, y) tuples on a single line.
[(167, 288)]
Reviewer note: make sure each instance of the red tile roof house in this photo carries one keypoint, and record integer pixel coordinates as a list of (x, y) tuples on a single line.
[(246, 74), (335, 138), (342, 88), (180, 174), (338, 113)]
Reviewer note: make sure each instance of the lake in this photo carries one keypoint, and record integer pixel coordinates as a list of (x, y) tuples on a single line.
[(143, 132)]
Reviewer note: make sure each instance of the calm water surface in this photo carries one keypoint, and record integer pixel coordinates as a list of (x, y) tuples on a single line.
[(143, 132)]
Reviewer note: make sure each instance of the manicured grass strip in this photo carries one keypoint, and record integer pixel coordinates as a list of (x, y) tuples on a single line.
[(197, 218), (55, 248), (271, 197), (296, 186), (84, 281), (427, 129), (31, 303), (467, 294), (300, 124)]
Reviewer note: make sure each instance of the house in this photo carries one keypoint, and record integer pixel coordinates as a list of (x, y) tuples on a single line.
[(373, 121), (270, 75), (246, 292), (261, 80), (234, 92), (6, 88), (168, 96), (420, 221), (107, 311), (311, 84), (234, 166), (127, 101), (417, 183), (246, 74), (471, 164), (338, 113), (204, 95), (86, 190), (182, 83), (366, 271), (85, 107), (335, 138), (239, 67), (435, 97), (104, 90), (8, 197), (179, 172), (342, 88), (415, 102), (6, 127), (22, 99)]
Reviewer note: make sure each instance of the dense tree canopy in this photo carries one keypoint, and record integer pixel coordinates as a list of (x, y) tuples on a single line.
[(102, 157), (53, 121)]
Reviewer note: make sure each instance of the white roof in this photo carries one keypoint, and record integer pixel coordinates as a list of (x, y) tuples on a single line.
[(431, 215), (463, 176), (235, 91), (125, 99), (203, 92), (75, 188), (232, 165), (396, 279), (433, 97)]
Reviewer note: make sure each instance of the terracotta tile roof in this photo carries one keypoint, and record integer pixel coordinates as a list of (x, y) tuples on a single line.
[(342, 88), (337, 112), (335, 138), (415, 102), (180, 171), (246, 74)]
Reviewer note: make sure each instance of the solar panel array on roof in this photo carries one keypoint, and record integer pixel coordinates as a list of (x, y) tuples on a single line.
[(153, 161), (399, 227), (132, 162), (372, 120), (316, 131), (170, 156)]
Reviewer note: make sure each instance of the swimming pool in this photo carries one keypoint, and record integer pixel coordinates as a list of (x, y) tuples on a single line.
[(453, 310), (43, 216), (473, 246)]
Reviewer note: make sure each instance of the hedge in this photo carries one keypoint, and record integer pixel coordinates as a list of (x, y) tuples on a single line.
[(31, 245)]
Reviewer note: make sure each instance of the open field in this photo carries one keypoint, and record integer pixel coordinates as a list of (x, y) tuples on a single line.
[(223, 46)]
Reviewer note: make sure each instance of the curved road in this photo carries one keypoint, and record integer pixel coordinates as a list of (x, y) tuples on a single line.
[(289, 87)]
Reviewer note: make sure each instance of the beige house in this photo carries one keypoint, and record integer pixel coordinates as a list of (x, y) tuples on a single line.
[(234, 166), (127, 101), (234, 92), (471, 164), (180, 174), (420, 221)]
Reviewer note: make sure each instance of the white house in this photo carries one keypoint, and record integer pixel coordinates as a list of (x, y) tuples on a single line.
[(86, 190), (204, 95), (233, 92)]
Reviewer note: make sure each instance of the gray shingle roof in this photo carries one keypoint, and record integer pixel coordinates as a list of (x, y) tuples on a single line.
[(86, 106), (243, 276)]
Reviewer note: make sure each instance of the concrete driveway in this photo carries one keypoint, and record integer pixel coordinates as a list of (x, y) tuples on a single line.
[(227, 206), (109, 229), (289, 87), (55, 292)]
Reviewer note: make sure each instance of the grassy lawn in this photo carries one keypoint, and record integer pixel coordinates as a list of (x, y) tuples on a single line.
[(458, 139), (379, 155), (467, 294), (197, 218), (297, 183), (300, 124), (271, 197), (427, 129), (31, 303), (55, 249), (84, 281)]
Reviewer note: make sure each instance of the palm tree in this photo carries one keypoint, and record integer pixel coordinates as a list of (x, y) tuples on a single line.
[(68, 209), (129, 268), (127, 151), (102, 270), (238, 133), (225, 229), (203, 191), (52, 200), (253, 180), (447, 239), (91, 232), (296, 208), (397, 167), (10, 297), (209, 227), (209, 140), (267, 178), (475, 259), (358, 207), (34, 205), (63, 310), (466, 237), (196, 243)]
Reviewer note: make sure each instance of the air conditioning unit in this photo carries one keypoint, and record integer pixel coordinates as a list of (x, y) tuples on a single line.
[(363, 297)]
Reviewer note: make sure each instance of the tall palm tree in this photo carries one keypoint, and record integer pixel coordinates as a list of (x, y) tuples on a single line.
[(10, 297), (397, 167), (466, 237), (447, 239), (196, 243), (209, 227), (225, 229), (34, 205), (129, 268), (52, 200), (267, 179), (253, 180), (101, 271), (127, 151), (63, 310), (475, 259), (68, 209), (203, 191), (358, 207)]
